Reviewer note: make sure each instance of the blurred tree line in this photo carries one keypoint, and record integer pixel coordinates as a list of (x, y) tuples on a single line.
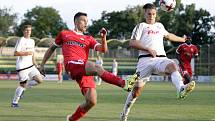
[(47, 22)]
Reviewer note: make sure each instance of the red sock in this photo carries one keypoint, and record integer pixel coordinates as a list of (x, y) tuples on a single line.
[(112, 79), (79, 113)]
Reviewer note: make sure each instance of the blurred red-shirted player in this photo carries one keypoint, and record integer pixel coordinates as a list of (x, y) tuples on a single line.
[(59, 67), (75, 48), (185, 52)]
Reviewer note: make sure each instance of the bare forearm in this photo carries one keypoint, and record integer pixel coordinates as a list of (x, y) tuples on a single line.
[(48, 54), (23, 53), (104, 44), (175, 38), (137, 45)]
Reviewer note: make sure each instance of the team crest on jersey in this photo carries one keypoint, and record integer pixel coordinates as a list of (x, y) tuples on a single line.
[(152, 32)]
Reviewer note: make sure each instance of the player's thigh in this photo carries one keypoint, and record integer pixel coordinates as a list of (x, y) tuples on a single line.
[(145, 67), (163, 66), (76, 71), (35, 74), (23, 75), (86, 82), (93, 69)]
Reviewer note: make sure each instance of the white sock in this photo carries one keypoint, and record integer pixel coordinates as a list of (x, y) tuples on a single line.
[(177, 80), (129, 102), (18, 93), (32, 83)]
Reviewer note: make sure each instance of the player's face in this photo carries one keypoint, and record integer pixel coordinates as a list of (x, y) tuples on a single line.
[(81, 23), (150, 15), (27, 32)]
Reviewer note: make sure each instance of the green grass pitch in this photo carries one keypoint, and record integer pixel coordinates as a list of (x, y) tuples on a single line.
[(52, 102)]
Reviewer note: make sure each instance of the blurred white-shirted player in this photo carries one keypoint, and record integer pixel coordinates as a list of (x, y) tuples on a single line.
[(115, 67), (147, 37), (99, 62), (25, 65)]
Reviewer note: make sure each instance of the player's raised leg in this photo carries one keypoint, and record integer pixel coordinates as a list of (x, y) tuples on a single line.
[(93, 69)]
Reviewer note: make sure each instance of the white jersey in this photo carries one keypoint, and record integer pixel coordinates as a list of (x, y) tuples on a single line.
[(24, 45), (150, 35)]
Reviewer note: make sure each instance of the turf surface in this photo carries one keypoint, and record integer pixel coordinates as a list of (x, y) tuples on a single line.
[(52, 102)]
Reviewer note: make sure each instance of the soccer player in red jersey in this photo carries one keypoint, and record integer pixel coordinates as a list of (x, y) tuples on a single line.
[(75, 48), (185, 52), (59, 67)]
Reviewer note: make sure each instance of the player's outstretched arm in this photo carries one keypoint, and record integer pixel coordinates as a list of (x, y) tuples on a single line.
[(174, 38), (47, 55)]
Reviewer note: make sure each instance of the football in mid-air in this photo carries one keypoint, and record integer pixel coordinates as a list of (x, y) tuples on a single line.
[(167, 5)]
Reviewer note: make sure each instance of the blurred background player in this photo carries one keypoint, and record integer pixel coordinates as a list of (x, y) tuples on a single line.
[(75, 48), (25, 64), (59, 69), (115, 67), (147, 37), (185, 52), (99, 61)]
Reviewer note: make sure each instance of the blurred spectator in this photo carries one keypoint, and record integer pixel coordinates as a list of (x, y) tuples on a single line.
[(99, 62), (115, 67), (59, 67)]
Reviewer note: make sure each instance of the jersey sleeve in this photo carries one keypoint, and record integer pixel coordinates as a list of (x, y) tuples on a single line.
[(164, 31), (178, 50), (18, 46), (137, 32), (93, 43), (33, 44), (58, 40)]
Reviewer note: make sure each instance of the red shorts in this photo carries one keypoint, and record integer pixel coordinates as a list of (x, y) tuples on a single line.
[(78, 73), (59, 70)]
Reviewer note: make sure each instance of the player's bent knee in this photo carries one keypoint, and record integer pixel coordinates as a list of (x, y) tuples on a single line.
[(137, 92), (38, 79), (171, 67), (91, 103), (99, 69), (23, 83)]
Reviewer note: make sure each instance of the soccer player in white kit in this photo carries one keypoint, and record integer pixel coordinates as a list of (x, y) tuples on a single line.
[(25, 65), (147, 37), (99, 62), (115, 67)]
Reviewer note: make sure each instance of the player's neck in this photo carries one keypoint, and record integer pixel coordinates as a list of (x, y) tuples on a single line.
[(27, 37), (78, 31)]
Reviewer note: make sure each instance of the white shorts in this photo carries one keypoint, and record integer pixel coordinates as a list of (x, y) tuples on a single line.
[(28, 74), (147, 66)]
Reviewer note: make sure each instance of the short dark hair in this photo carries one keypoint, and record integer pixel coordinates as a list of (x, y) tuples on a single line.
[(149, 6), (77, 15), (26, 26)]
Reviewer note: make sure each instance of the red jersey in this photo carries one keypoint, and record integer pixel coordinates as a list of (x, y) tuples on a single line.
[(75, 46), (186, 53)]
